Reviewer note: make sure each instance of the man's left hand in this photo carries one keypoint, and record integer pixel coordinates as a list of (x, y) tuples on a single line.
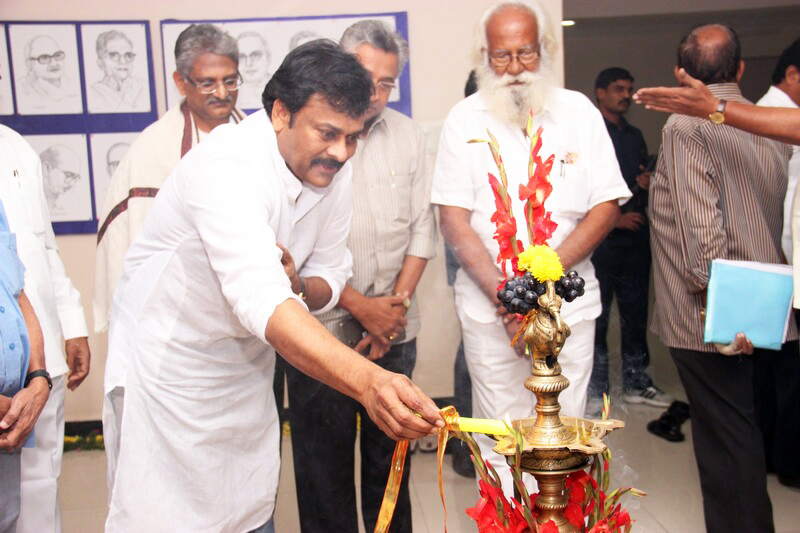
[(291, 271), (18, 422), (78, 361), (377, 347), (643, 180)]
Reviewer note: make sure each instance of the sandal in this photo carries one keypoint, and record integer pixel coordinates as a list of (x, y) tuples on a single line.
[(666, 427)]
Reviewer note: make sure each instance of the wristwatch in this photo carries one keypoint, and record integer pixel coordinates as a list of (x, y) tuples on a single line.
[(42, 373), (718, 116), (406, 301)]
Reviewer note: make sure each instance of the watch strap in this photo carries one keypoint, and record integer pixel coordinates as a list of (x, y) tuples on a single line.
[(41, 373)]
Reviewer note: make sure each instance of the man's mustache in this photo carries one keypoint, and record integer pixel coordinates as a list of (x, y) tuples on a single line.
[(625, 101), (227, 100), (328, 162)]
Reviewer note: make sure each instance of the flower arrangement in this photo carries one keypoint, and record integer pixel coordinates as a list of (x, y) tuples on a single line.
[(590, 508)]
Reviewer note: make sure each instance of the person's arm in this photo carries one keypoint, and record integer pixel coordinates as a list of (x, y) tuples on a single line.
[(68, 303), (588, 233), (472, 255), (315, 291), (390, 399), (27, 404), (686, 166), (694, 99)]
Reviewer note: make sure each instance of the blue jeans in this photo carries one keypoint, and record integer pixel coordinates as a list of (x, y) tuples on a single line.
[(269, 527)]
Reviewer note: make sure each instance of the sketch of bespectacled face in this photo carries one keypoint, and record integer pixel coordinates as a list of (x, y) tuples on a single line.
[(45, 59), (302, 37), (254, 58), (117, 58), (61, 170), (114, 156)]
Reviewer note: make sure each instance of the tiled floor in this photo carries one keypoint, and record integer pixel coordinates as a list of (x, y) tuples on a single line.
[(666, 471)]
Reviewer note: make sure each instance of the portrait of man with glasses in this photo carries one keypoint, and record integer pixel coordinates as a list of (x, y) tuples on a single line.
[(49, 83), (121, 88)]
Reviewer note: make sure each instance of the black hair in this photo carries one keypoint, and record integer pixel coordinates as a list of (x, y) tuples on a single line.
[(789, 57), (472, 83), (710, 63), (320, 67), (610, 75)]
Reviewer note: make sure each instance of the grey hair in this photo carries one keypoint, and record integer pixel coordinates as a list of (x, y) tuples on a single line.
[(199, 39), (107, 36), (548, 45), (378, 34)]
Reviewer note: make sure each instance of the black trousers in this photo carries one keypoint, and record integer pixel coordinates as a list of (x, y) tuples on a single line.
[(728, 445), (777, 395), (323, 425), (622, 267)]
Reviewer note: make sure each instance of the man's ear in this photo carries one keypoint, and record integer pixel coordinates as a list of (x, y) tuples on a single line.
[(740, 71), (599, 93), (281, 116), (792, 75), (180, 83)]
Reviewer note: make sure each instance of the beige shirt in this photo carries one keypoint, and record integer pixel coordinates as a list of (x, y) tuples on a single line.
[(717, 192), (392, 213)]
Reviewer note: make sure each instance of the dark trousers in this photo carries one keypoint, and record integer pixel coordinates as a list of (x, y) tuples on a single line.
[(777, 395), (323, 425), (622, 268), (728, 446)]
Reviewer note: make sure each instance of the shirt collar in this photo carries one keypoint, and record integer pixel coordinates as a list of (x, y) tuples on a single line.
[(726, 90), (777, 94), (483, 105)]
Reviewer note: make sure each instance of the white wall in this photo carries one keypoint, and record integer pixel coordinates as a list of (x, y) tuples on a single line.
[(440, 34)]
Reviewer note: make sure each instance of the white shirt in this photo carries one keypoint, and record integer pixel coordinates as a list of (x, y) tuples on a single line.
[(202, 278), (54, 299), (775, 97), (585, 173)]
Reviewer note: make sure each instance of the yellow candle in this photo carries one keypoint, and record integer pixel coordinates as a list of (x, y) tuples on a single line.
[(482, 425)]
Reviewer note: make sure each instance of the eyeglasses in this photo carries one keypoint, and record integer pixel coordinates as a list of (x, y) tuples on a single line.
[(502, 58), (210, 86), (116, 57), (45, 59), (252, 57), (384, 86)]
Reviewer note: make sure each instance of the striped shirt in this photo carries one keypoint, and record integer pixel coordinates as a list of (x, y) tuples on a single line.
[(392, 213), (717, 192)]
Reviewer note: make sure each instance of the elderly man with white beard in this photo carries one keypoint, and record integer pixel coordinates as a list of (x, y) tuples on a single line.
[(515, 47)]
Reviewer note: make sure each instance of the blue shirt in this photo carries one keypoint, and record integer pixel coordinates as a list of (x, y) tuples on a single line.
[(14, 341)]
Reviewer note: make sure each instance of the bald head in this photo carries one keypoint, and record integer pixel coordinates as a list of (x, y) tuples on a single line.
[(711, 53)]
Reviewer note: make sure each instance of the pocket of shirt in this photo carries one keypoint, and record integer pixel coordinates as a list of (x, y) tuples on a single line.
[(570, 196)]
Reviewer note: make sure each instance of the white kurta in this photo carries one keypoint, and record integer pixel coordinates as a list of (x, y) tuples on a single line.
[(585, 173), (58, 307), (56, 301), (200, 429)]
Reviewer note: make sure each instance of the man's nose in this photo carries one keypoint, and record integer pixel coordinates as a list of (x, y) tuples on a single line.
[(221, 91), (339, 150), (515, 67)]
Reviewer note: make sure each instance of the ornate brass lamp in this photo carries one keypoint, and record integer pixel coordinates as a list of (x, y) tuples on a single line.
[(553, 446)]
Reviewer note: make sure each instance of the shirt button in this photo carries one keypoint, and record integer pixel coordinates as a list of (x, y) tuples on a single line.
[(12, 346)]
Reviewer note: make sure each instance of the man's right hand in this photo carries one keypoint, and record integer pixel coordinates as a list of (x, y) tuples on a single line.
[(631, 221), (382, 316), (21, 416), (400, 408)]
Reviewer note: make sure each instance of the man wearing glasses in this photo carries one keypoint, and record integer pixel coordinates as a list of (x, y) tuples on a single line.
[(514, 57), (207, 76), (46, 88), (119, 91), (392, 236)]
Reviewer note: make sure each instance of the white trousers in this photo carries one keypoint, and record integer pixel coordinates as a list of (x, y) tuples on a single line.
[(112, 425), (40, 511), (498, 376)]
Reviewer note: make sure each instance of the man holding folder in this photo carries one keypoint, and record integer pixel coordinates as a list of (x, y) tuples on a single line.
[(717, 193)]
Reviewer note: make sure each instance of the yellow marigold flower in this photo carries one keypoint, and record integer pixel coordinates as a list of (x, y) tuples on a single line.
[(542, 262)]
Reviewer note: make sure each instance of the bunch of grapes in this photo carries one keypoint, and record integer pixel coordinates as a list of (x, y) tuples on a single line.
[(521, 294)]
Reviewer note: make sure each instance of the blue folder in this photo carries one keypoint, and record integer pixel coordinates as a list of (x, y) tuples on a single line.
[(749, 297)]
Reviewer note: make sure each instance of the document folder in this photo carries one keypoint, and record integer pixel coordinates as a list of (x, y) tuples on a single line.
[(749, 297)]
